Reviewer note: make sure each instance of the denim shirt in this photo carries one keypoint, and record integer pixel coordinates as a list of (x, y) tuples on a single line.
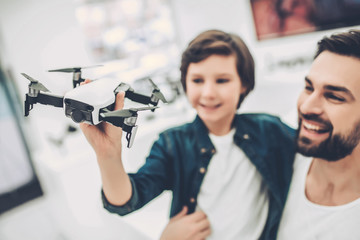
[(178, 161)]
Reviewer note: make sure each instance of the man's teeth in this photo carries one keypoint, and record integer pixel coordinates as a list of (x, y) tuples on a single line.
[(311, 126)]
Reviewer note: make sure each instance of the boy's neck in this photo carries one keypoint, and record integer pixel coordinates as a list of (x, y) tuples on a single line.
[(218, 129)]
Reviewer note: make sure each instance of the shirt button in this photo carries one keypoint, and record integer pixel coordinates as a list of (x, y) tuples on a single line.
[(203, 150), (213, 151), (192, 200), (246, 136), (202, 170)]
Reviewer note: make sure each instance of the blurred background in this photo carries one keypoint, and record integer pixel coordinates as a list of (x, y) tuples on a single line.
[(49, 180)]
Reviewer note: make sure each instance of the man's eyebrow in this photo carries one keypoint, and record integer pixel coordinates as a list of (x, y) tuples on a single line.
[(339, 89), (334, 88)]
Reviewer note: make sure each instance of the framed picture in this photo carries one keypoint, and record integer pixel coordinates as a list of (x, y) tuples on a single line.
[(278, 18)]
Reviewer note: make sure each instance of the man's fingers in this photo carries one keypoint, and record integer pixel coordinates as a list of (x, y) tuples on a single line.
[(203, 234), (203, 224), (181, 214), (197, 216)]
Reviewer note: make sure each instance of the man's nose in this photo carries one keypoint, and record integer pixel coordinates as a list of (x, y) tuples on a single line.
[(310, 104)]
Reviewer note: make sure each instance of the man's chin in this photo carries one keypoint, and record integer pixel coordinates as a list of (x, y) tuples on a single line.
[(323, 150)]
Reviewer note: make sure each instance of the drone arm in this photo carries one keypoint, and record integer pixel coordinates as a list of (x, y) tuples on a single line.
[(47, 99), (136, 97), (116, 121), (126, 124)]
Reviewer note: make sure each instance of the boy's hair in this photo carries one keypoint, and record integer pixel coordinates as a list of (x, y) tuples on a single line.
[(346, 43), (220, 43)]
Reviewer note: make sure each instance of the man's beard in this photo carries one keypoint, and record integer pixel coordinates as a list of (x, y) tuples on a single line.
[(334, 148)]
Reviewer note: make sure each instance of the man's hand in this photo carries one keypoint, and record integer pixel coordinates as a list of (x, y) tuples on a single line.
[(194, 226)]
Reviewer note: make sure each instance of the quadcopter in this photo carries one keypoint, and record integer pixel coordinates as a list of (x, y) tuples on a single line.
[(94, 102)]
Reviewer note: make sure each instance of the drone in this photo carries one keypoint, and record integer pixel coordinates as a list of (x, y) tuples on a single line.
[(94, 102)]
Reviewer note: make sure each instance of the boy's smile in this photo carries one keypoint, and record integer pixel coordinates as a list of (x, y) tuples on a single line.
[(213, 89)]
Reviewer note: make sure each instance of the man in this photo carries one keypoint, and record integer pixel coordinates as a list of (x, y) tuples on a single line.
[(324, 196)]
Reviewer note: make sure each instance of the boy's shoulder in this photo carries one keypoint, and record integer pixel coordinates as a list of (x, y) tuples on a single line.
[(263, 122), (185, 127), (258, 118)]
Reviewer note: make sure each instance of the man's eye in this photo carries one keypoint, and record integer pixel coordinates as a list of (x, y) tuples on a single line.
[(222, 80), (334, 97)]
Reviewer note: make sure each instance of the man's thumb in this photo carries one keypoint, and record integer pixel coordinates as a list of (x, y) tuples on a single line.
[(181, 214)]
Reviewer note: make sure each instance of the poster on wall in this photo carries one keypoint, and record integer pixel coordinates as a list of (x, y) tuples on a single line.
[(278, 18)]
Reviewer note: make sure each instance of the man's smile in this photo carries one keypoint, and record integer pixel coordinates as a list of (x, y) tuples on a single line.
[(315, 127)]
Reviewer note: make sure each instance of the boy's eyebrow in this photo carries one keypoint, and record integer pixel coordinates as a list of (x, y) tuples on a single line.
[(334, 88), (308, 80)]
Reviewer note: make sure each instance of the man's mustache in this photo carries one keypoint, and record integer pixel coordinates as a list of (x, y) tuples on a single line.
[(315, 118)]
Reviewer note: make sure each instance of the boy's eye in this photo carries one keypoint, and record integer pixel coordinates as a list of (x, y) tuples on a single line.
[(308, 88), (222, 80), (197, 80)]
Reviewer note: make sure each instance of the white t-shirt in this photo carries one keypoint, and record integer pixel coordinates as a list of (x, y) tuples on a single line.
[(305, 220), (232, 194)]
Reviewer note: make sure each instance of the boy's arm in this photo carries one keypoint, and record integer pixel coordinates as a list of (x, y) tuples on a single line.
[(105, 139)]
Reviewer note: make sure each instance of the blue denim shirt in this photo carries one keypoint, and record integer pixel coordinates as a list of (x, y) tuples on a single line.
[(178, 161)]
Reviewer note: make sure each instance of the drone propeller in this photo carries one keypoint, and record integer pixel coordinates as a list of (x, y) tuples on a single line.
[(157, 92), (73, 69), (125, 113), (77, 80), (35, 84)]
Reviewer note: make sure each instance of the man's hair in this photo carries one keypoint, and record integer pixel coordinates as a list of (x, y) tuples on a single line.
[(216, 42), (346, 43)]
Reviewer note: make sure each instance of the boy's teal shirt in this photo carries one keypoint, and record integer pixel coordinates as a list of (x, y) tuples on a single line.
[(178, 158)]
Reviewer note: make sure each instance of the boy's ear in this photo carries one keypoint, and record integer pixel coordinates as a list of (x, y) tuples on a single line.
[(243, 90)]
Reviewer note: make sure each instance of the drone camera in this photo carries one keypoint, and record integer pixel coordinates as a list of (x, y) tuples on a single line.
[(78, 111)]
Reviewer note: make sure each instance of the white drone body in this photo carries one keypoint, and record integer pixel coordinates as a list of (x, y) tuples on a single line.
[(84, 103)]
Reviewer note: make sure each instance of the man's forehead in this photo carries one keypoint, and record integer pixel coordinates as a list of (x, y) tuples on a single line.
[(334, 69)]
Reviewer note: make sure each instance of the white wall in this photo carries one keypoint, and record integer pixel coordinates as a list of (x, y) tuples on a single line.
[(39, 35)]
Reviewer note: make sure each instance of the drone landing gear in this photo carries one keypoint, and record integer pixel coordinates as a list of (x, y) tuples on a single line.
[(130, 136)]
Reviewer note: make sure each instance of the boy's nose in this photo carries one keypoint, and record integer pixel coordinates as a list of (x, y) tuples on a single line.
[(209, 90)]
